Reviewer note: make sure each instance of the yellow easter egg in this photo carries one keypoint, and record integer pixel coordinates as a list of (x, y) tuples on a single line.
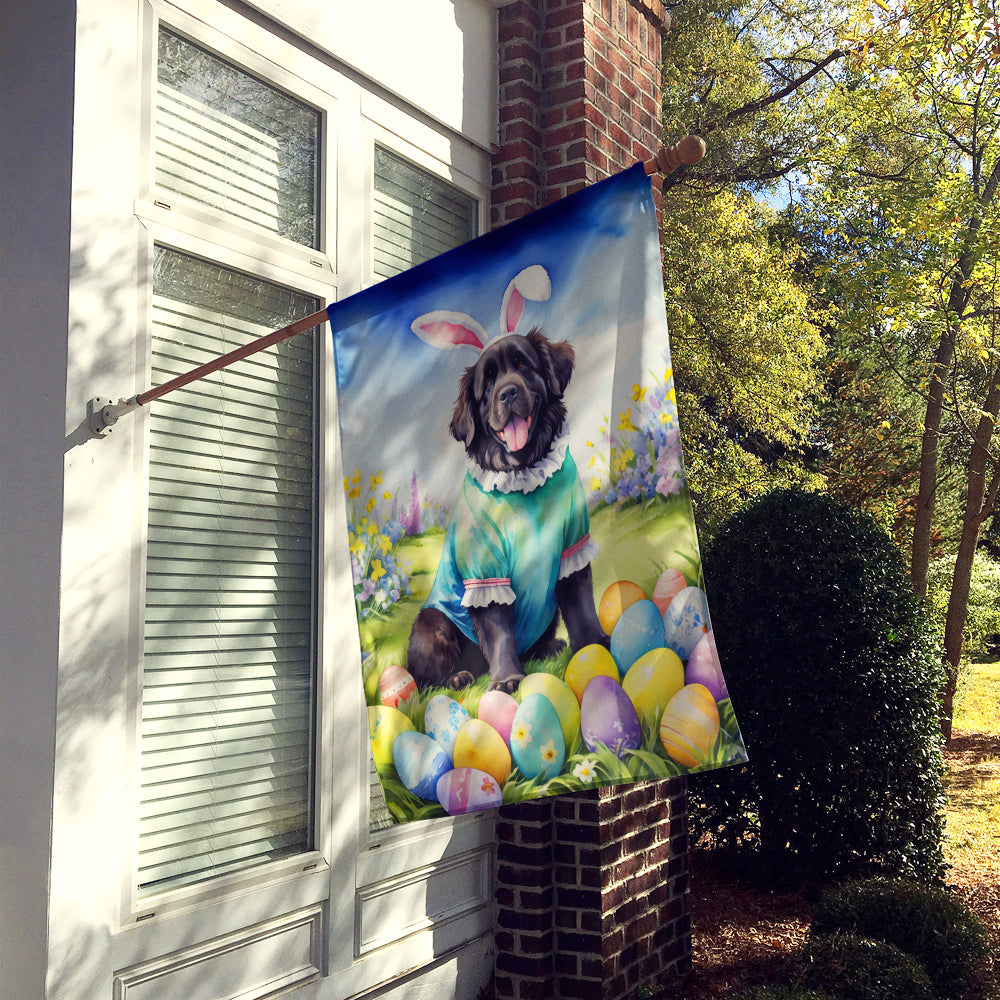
[(384, 725), (652, 681), (588, 663), (690, 725), (480, 746), (615, 600), (560, 694)]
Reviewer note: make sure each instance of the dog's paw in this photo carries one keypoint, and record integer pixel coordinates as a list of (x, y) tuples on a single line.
[(460, 680), (506, 684)]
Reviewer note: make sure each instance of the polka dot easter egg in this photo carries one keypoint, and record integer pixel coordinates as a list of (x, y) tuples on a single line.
[(443, 718), (588, 663), (467, 789), (536, 738), (608, 718), (686, 621), (652, 681)]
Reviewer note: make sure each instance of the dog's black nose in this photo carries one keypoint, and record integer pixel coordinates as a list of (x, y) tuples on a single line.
[(508, 395)]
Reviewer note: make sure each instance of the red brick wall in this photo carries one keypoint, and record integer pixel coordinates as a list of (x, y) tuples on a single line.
[(591, 889), (579, 96)]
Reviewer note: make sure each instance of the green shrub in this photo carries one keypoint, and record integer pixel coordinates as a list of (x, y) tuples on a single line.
[(982, 619), (857, 968), (779, 992), (833, 673), (926, 922)]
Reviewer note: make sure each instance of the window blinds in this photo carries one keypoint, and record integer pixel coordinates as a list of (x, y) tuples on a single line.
[(225, 139), (227, 681), (416, 215)]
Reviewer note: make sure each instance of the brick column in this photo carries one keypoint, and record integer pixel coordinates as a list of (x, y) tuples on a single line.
[(591, 889), (579, 96)]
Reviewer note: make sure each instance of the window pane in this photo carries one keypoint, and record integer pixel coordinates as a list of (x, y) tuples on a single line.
[(228, 678), (417, 215), (231, 141)]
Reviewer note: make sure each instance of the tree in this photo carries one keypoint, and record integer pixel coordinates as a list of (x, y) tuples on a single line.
[(746, 353), (913, 181)]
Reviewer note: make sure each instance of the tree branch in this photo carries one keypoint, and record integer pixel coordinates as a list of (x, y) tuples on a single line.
[(754, 106)]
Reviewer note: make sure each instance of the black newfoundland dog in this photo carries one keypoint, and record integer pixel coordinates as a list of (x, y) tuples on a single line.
[(517, 553)]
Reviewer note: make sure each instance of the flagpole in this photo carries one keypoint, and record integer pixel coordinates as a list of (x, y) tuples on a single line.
[(103, 413)]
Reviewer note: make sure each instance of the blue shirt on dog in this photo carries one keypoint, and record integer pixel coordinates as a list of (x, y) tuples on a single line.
[(511, 537)]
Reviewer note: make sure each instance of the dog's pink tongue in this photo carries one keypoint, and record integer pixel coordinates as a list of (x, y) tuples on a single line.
[(515, 434)]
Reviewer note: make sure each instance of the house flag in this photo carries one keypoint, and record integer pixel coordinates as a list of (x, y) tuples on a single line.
[(530, 604)]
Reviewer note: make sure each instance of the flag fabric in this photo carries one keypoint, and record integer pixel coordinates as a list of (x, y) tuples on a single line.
[(531, 612)]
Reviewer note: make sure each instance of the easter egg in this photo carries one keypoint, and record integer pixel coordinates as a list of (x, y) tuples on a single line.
[(563, 701), (608, 718), (668, 586), (396, 687), (588, 663), (536, 738), (443, 718), (703, 667), (690, 725), (639, 630), (615, 600), (480, 746), (498, 709), (384, 725), (652, 681), (686, 621), (466, 789), (419, 763)]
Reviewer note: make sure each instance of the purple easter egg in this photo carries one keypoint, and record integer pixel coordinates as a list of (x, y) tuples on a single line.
[(608, 717)]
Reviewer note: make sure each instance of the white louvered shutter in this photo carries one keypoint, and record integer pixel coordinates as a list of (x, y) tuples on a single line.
[(228, 674)]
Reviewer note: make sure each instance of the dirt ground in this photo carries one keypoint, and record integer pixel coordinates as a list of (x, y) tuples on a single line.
[(741, 935)]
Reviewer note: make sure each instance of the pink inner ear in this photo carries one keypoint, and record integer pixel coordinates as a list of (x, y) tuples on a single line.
[(452, 334), (515, 310)]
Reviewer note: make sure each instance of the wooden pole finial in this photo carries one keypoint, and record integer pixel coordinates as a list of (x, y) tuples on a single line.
[(668, 158)]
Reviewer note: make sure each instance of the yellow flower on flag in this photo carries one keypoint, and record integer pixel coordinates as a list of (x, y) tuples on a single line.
[(378, 570), (625, 420), (638, 392)]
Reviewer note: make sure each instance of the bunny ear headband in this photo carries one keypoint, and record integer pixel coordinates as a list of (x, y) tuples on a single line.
[(446, 330)]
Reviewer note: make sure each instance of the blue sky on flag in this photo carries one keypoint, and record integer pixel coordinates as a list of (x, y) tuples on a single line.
[(606, 290)]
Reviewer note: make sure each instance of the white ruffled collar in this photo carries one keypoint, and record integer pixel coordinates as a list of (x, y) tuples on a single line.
[(523, 480)]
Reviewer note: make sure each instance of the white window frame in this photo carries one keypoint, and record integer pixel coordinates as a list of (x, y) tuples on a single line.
[(351, 870), (180, 224)]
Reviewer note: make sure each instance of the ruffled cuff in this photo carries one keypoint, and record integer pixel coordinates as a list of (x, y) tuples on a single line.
[(577, 556), (480, 593)]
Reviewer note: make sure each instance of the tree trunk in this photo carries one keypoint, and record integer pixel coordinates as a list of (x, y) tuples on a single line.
[(920, 553), (980, 498)]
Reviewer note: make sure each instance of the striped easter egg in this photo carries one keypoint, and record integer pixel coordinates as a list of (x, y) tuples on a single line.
[(690, 725)]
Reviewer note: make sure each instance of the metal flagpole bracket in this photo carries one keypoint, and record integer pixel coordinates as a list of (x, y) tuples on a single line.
[(103, 413)]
